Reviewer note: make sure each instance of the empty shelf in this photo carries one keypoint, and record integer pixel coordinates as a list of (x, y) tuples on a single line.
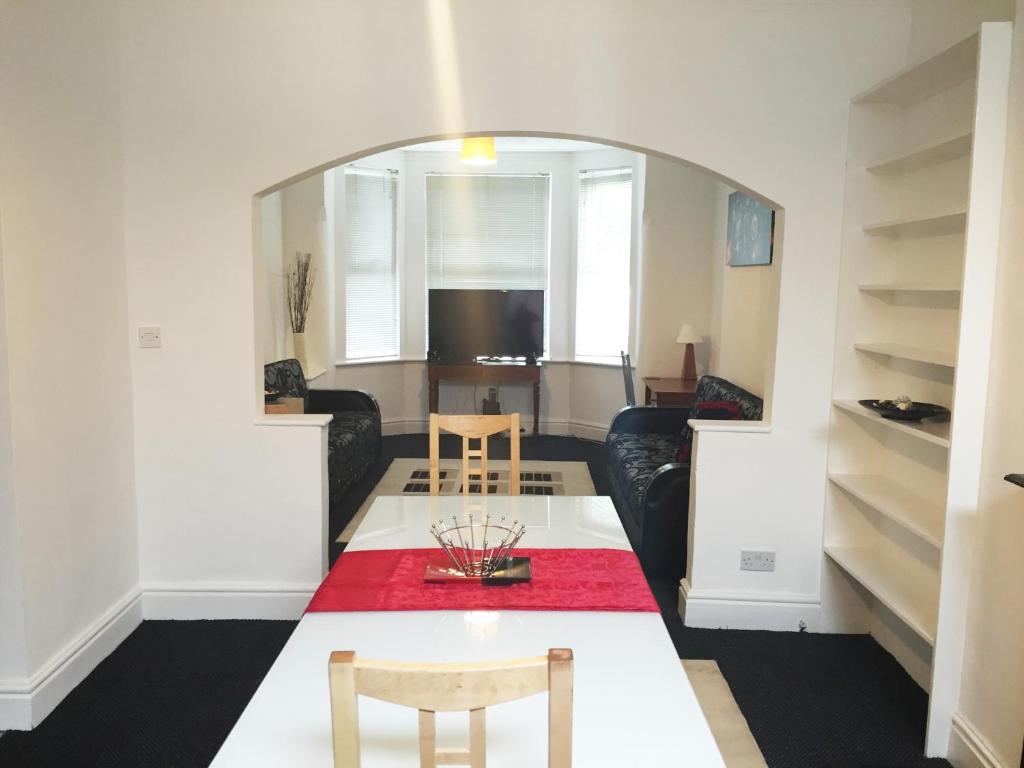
[(908, 352), (936, 433), (901, 589), (919, 81), (914, 513), (933, 154), (926, 226), (934, 290)]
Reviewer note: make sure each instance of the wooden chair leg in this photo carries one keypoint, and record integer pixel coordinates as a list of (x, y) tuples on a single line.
[(477, 738), (435, 456), (513, 476), (560, 708), (344, 708), (428, 739)]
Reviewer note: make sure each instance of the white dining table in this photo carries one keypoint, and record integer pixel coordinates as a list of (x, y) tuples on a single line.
[(632, 702)]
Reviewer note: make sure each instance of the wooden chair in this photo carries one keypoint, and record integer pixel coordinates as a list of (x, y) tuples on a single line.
[(473, 428), (433, 688)]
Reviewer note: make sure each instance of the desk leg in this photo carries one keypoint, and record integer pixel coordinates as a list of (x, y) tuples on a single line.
[(536, 407), (647, 395), (433, 396)]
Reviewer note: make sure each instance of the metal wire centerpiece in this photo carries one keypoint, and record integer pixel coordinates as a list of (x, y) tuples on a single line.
[(478, 548)]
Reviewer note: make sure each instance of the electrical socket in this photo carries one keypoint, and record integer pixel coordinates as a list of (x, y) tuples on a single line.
[(149, 336), (754, 560)]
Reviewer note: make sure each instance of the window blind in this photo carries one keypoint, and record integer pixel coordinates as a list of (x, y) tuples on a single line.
[(371, 264), (487, 230), (603, 237)]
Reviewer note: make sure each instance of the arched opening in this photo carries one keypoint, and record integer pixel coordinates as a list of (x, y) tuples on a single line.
[(387, 228)]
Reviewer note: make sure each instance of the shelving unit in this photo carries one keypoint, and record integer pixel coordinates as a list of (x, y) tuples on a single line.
[(924, 185), (908, 352), (936, 290), (934, 433), (920, 226), (887, 497), (922, 157)]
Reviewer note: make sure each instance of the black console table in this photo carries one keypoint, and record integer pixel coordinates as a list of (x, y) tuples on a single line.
[(485, 373)]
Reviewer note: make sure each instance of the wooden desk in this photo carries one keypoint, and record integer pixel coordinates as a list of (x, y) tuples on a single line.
[(669, 391), (485, 373)]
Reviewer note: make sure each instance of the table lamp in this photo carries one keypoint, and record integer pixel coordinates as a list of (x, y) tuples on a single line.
[(689, 337)]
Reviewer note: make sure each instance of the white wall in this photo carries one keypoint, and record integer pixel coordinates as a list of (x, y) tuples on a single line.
[(203, 125), (679, 226), (991, 705), (303, 222), (276, 330), (744, 311), (68, 498)]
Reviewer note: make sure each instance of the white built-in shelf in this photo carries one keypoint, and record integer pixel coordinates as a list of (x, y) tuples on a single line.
[(909, 352), (890, 499), (936, 433), (902, 589), (931, 290), (920, 226), (927, 78), (922, 157)]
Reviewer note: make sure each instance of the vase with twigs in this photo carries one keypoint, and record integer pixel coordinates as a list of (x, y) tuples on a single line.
[(301, 275)]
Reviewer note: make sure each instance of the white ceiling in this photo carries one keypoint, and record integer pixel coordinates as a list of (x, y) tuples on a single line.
[(512, 144)]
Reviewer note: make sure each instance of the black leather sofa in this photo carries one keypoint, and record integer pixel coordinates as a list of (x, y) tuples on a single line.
[(649, 485), (354, 434)]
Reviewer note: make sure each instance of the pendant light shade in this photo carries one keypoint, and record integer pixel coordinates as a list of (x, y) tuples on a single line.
[(478, 151)]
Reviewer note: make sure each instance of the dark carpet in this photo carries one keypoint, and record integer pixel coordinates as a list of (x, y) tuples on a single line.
[(170, 693)]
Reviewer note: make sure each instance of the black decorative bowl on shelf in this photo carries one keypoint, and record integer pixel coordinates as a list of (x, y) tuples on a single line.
[(887, 410), (271, 395)]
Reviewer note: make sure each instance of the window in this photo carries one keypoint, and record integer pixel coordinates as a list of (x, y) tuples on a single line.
[(371, 267), (487, 230), (602, 263)]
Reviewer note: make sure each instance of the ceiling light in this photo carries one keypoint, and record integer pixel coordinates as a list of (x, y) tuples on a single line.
[(478, 151)]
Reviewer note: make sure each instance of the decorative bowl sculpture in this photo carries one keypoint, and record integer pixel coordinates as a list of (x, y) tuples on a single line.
[(480, 549)]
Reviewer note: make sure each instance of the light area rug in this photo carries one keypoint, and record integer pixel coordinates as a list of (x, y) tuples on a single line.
[(728, 725), (410, 477)]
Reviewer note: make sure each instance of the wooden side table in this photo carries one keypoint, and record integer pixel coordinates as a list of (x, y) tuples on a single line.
[(665, 392), (286, 405), (485, 373)]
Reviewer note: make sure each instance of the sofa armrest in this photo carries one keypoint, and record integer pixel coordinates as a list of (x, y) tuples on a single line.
[(666, 522), (646, 419), (338, 400)]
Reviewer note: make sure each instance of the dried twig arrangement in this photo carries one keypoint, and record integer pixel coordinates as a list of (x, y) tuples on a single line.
[(300, 290)]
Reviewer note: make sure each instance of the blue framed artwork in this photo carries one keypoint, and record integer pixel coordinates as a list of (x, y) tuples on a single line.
[(751, 234)]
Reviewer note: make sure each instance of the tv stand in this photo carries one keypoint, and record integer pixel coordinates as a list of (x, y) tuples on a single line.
[(486, 373)]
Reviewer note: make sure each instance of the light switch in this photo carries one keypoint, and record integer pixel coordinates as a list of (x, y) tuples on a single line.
[(149, 336)]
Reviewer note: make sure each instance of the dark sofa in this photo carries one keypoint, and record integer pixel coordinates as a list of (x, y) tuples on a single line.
[(354, 434), (649, 485)]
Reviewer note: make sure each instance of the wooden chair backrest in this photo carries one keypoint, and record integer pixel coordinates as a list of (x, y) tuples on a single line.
[(433, 688), (471, 427)]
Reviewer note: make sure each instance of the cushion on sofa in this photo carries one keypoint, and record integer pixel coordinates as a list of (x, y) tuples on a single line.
[(634, 458), (713, 389)]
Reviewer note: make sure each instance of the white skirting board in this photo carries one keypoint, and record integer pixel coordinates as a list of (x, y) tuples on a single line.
[(721, 610), (25, 702), (967, 748), (190, 601)]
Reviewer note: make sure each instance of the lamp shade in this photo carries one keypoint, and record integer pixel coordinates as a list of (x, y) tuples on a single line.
[(478, 151), (688, 335)]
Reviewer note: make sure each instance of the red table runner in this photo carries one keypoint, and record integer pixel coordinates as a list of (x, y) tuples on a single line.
[(563, 580)]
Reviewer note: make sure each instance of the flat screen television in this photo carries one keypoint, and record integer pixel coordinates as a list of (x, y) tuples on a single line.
[(467, 324)]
